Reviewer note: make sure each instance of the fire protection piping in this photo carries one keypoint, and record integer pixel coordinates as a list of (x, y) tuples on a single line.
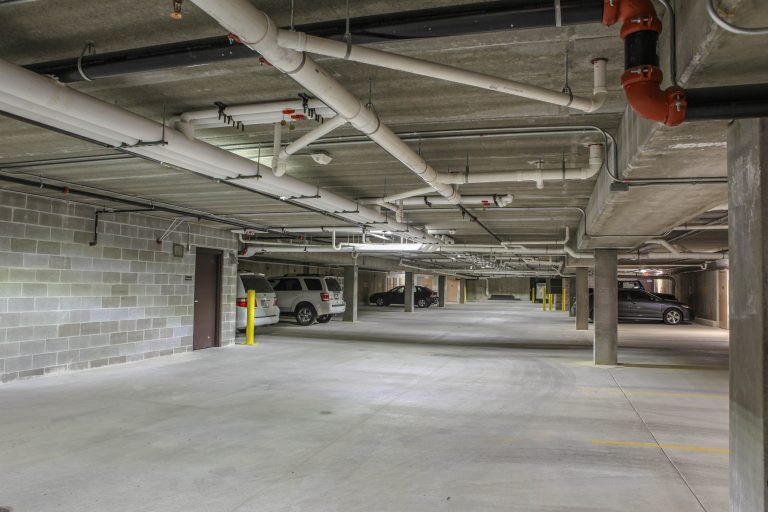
[(258, 32)]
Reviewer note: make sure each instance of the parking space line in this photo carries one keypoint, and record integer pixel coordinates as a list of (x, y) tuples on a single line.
[(722, 396), (687, 448)]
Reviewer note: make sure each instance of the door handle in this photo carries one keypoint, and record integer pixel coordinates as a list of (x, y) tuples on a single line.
[(196, 301)]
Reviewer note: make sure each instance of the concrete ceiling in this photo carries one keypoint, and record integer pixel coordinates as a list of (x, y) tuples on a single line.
[(55, 29)]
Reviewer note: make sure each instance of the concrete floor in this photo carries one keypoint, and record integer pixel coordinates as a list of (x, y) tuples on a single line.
[(495, 408)]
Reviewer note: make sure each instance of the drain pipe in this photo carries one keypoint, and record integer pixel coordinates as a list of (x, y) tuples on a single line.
[(259, 32), (642, 77), (44, 102), (302, 42), (500, 201), (596, 153)]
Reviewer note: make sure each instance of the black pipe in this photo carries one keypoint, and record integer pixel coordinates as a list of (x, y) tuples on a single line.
[(730, 102), (458, 20), (640, 49)]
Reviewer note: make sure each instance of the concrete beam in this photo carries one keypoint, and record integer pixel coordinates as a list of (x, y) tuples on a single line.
[(651, 150), (748, 244), (409, 288), (606, 307), (582, 299), (351, 292)]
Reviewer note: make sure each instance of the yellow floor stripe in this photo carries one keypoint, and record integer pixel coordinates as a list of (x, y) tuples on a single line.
[(661, 446), (655, 393)]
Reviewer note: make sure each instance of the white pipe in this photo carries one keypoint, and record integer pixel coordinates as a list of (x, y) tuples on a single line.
[(689, 227), (666, 256), (253, 109), (500, 201), (277, 144), (407, 194), (305, 140), (38, 98), (302, 42), (672, 249), (259, 32), (537, 176)]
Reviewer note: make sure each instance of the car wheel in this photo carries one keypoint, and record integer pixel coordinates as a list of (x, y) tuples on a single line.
[(381, 302), (673, 316), (324, 319), (422, 303), (305, 314)]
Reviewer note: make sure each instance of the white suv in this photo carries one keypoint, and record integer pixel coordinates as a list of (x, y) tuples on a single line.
[(309, 297), (267, 312)]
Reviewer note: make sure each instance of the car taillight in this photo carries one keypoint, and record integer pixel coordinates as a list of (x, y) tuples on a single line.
[(242, 303), (325, 296)]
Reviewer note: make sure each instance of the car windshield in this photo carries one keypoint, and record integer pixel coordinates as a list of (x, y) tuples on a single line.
[(254, 282), (332, 284)]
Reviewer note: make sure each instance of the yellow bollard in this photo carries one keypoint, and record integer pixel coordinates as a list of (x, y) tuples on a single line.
[(551, 305), (251, 312), (563, 300)]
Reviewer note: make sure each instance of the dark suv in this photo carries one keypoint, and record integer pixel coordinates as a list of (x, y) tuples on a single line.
[(423, 297)]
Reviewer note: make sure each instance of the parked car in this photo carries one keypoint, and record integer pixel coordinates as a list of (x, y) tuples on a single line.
[(423, 297), (266, 312), (309, 297), (638, 304)]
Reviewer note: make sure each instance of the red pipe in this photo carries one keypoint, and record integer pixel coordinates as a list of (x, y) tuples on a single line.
[(642, 84)]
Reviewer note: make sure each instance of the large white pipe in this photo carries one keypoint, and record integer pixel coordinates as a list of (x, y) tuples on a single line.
[(41, 99), (693, 227), (537, 176), (239, 112), (302, 42), (668, 256), (492, 200), (304, 141), (259, 32)]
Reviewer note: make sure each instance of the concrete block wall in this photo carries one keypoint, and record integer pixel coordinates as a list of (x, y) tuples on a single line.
[(517, 286), (66, 305)]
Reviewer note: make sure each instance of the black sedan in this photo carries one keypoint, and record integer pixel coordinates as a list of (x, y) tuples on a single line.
[(423, 297), (637, 304)]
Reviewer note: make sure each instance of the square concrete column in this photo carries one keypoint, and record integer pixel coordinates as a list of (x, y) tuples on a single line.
[(408, 299), (748, 246), (606, 303), (351, 287), (442, 289), (582, 299), (462, 291)]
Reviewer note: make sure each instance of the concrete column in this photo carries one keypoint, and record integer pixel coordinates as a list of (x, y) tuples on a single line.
[(442, 289), (351, 286), (606, 304), (408, 292), (582, 299), (748, 246), (462, 291)]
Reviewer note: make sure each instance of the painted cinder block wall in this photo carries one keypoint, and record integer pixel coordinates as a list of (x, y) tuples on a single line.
[(67, 305)]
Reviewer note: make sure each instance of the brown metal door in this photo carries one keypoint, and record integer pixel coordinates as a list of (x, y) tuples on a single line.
[(207, 293)]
